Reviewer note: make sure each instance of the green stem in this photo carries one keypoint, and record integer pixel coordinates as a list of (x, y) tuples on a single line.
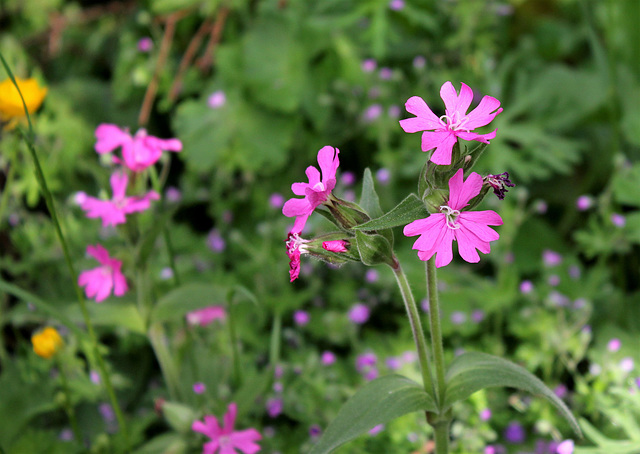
[(274, 347), (436, 330), (235, 353), (416, 328), (42, 183), (441, 430), (158, 340)]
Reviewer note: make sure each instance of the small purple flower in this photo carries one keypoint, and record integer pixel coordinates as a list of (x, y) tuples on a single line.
[(394, 112), (409, 357), (558, 299), (217, 99), (626, 364), (566, 447), (553, 280), (618, 220), (315, 431), (371, 275), (514, 433), (580, 303), (424, 304), (369, 65), (66, 435), (347, 178), (584, 202), (393, 363), (173, 194), (372, 112), (614, 345), (458, 317), (328, 358), (383, 175), (359, 313), (276, 200), (366, 360), (215, 241), (145, 44), (94, 376), (274, 406), (419, 62), (278, 372), (301, 318), (574, 272), (278, 387), (485, 415), (526, 287), (377, 429), (166, 273), (551, 258), (199, 387), (477, 315), (396, 5), (386, 73), (561, 391), (107, 413), (371, 374), (541, 207)]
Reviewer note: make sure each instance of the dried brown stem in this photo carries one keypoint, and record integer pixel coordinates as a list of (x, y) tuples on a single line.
[(206, 61)]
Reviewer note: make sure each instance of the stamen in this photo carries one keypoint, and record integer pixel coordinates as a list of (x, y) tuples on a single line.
[(451, 216), (455, 125)]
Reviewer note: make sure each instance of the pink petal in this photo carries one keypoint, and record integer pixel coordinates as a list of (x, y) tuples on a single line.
[(466, 245), (443, 141), (99, 253), (461, 192), (484, 138), (244, 440), (425, 119), (230, 417), (432, 233), (120, 286), (135, 204), (296, 207), (301, 221), (314, 176), (110, 137), (105, 285), (444, 252), (482, 115), (455, 103), (418, 227), (210, 447), (163, 144), (329, 162), (299, 188), (481, 218), (119, 182)]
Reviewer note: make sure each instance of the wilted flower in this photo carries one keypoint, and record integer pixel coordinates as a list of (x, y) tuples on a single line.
[(11, 107), (101, 281), (139, 151), (47, 342), (114, 211), (499, 183), (226, 439), (316, 191), (469, 228), (442, 133)]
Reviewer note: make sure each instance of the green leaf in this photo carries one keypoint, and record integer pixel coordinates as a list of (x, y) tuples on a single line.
[(369, 199), (410, 209), (374, 249), (178, 416), (147, 244), (606, 444), (186, 298), (113, 313), (378, 402), (473, 371), (168, 443)]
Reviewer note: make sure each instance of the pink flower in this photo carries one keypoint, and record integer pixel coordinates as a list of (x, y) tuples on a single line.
[(226, 439), (113, 211), (469, 228), (316, 191), (206, 315), (295, 247), (139, 151), (101, 281), (442, 133)]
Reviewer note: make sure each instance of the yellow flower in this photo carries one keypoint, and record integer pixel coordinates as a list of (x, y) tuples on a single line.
[(47, 342), (10, 103)]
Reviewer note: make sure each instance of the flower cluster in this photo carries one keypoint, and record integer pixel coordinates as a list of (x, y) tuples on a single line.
[(138, 153), (447, 195)]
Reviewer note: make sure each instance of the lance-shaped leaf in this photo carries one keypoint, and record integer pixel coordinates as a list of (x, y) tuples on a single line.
[(369, 199), (378, 402), (473, 371), (410, 209)]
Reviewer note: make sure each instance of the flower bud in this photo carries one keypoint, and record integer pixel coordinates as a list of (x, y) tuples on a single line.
[(346, 214)]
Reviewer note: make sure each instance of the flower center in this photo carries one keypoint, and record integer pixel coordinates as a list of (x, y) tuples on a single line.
[(451, 216), (319, 187), (295, 244), (224, 441), (455, 122)]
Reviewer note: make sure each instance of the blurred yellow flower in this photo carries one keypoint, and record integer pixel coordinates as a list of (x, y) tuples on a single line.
[(10, 103), (47, 342)]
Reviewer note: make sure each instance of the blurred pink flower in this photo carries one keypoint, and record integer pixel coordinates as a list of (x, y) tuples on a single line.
[(114, 211), (139, 151), (102, 280), (206, 315), (442, 133), (225, 438), (316, 191), (469, 228), (566, 447)]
